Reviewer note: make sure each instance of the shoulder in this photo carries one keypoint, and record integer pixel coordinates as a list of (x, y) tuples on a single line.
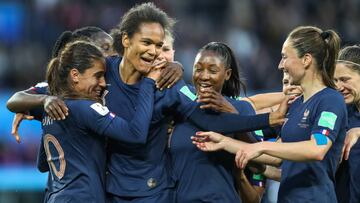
[(39, 88)]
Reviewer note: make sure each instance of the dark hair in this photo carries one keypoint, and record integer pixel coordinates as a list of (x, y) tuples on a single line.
[(85, 34), (350, 56), (324, 46), (234, 85), (79, 55), (131, 21)]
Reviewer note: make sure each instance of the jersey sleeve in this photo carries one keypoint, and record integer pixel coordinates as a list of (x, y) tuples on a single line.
[(227, 123), (39, 88), (105, 123), (41, 159), (243, 107), (257, 180), (179, 99), (330, 117)]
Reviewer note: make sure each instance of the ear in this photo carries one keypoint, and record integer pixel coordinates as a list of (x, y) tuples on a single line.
[(74, 75), (307, 60), (228, 73), (125, 40)]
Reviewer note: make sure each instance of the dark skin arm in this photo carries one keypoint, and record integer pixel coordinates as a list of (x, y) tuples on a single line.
[(24, 101)]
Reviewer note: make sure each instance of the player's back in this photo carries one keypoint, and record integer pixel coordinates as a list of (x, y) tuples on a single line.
[(76, 156)]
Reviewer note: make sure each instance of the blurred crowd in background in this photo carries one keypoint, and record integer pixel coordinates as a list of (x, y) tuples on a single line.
[(254, 29)]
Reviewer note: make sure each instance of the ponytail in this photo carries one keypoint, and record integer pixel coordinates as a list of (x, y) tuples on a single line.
[(332, 44), (52, 76)]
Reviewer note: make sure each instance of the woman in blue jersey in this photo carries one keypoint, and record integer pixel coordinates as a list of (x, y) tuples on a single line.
[(205, 177), (75, 146), (312, 137), (140, 173), (347, 79)]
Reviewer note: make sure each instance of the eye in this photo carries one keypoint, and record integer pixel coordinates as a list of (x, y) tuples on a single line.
[(146, 43)]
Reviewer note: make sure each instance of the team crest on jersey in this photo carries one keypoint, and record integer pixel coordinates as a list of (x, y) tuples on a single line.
[(303, 123), (102, 110)]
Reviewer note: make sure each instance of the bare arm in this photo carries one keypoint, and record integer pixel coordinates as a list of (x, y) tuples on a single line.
[(248, 192), (266, 100), (23, 101)]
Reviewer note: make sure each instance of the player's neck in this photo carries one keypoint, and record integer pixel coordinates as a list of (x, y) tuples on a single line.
[(128, 74), (311, 87)]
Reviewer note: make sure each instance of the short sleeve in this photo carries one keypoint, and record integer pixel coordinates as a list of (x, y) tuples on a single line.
[(331, 117)]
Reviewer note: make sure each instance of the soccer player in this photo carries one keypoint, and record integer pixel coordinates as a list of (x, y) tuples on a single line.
[(141, 172), (347, 79), (75, 147), (312, 137)]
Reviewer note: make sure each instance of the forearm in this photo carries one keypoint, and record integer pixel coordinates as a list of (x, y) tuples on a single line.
[(266, 100), (296, 151), (136, 130), (272, 172), (22, 101), (247, 192), (268, 160), (227, 123)]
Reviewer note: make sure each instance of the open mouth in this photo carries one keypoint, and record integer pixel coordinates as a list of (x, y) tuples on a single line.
[(147, 61), (204, 86)]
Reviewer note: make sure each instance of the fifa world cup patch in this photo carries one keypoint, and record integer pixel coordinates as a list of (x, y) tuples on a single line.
[(327, 119), (186, 91), (100, 109)]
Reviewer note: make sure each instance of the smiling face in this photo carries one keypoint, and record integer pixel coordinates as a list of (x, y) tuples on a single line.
[(92, 82), (141, 50), (209, 71), (348, 83), (291, 64)]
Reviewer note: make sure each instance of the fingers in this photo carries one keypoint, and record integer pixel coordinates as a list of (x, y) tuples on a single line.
[(171, 81), (164, 77), (347, 151), (15, 126), (56, 109)]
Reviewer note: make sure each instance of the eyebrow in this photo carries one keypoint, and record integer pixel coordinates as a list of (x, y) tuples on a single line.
[(152, 41)]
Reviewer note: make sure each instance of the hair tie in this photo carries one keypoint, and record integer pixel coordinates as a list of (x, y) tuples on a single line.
[(325, 34)]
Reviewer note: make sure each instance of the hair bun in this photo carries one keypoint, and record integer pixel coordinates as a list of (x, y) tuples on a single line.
[(325, 34)]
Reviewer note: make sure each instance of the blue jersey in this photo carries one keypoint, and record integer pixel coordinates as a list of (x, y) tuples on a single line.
[(202, 176), (354, 157), (138, 170), (75, 147), (324, 113)]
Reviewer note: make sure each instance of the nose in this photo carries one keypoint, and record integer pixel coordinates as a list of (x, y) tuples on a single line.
[(204, 75), (281, 65), (152, 50)]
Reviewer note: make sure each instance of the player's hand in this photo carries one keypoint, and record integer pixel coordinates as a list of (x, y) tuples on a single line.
[(55, 108), (156, 69), (171, 73), (352, 136), (278, 117), (208, 141), (293, 90), (215, 101), (16, 123), (247, 153)]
